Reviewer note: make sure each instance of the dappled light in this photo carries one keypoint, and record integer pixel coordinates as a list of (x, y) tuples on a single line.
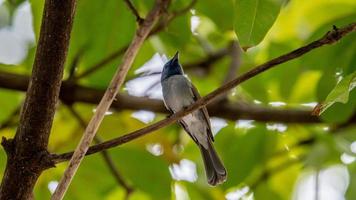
[(126, 99), (185, 170), (327, 184)]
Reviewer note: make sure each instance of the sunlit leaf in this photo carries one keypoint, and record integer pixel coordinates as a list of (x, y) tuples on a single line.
[(253, 19), (339, 94)]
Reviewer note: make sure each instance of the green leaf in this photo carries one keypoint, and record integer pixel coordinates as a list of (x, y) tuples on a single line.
[(323, 152), (147, 172), (264, 191), (339, 112), (37, 8), (99, 29), (178, 33), (339, 94), (221, 13), (244, 152), (9, 102), (253, 19)]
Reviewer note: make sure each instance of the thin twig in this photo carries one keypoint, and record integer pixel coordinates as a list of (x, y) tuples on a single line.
[(329, 38), (134, 11), (235, 54), (209, 60), (102, 63), (204, 44), (108, 98), (107, 158), (110, 163), (73, 66)]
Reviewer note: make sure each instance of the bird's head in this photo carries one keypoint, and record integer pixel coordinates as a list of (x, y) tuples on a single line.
[(171, 68)]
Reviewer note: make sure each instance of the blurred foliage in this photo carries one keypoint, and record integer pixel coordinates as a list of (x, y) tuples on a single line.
[(341, 92), (268, 161)]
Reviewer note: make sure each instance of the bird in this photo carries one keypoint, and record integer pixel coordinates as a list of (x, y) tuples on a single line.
[(178, 94)]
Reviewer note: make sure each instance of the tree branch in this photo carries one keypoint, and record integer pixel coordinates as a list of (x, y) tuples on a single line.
[(209, 60), (134, 11), (71, 93), (235, 54), (27, 152), (329, 38), (108, 98), (101, 63)]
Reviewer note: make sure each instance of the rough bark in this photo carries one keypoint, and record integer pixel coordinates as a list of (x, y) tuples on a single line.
[(27, 154)]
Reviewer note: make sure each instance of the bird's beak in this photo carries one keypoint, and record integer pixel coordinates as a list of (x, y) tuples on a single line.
[(175, 57)]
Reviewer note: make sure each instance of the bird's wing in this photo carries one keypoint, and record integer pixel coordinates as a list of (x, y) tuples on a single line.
[(185, 127), (197, 96)]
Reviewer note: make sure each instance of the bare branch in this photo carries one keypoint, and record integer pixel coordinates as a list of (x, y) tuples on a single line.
[(209, 60), (102, 63), (329, 38), (235, 54), (108, 98), (72, 93), (134, 11), (73, 66)]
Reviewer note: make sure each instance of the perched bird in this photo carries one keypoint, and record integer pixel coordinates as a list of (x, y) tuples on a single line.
[(178, 94)]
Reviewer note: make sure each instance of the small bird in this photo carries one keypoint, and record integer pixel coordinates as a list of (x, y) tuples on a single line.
[(178, 94)]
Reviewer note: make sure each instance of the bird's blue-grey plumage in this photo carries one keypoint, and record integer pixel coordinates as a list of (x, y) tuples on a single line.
[(178, 94)]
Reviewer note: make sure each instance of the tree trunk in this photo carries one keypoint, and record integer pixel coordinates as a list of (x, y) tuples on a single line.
[(27, 154)]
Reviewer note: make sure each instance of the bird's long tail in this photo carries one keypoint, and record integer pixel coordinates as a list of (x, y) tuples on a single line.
[(215, 170)]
